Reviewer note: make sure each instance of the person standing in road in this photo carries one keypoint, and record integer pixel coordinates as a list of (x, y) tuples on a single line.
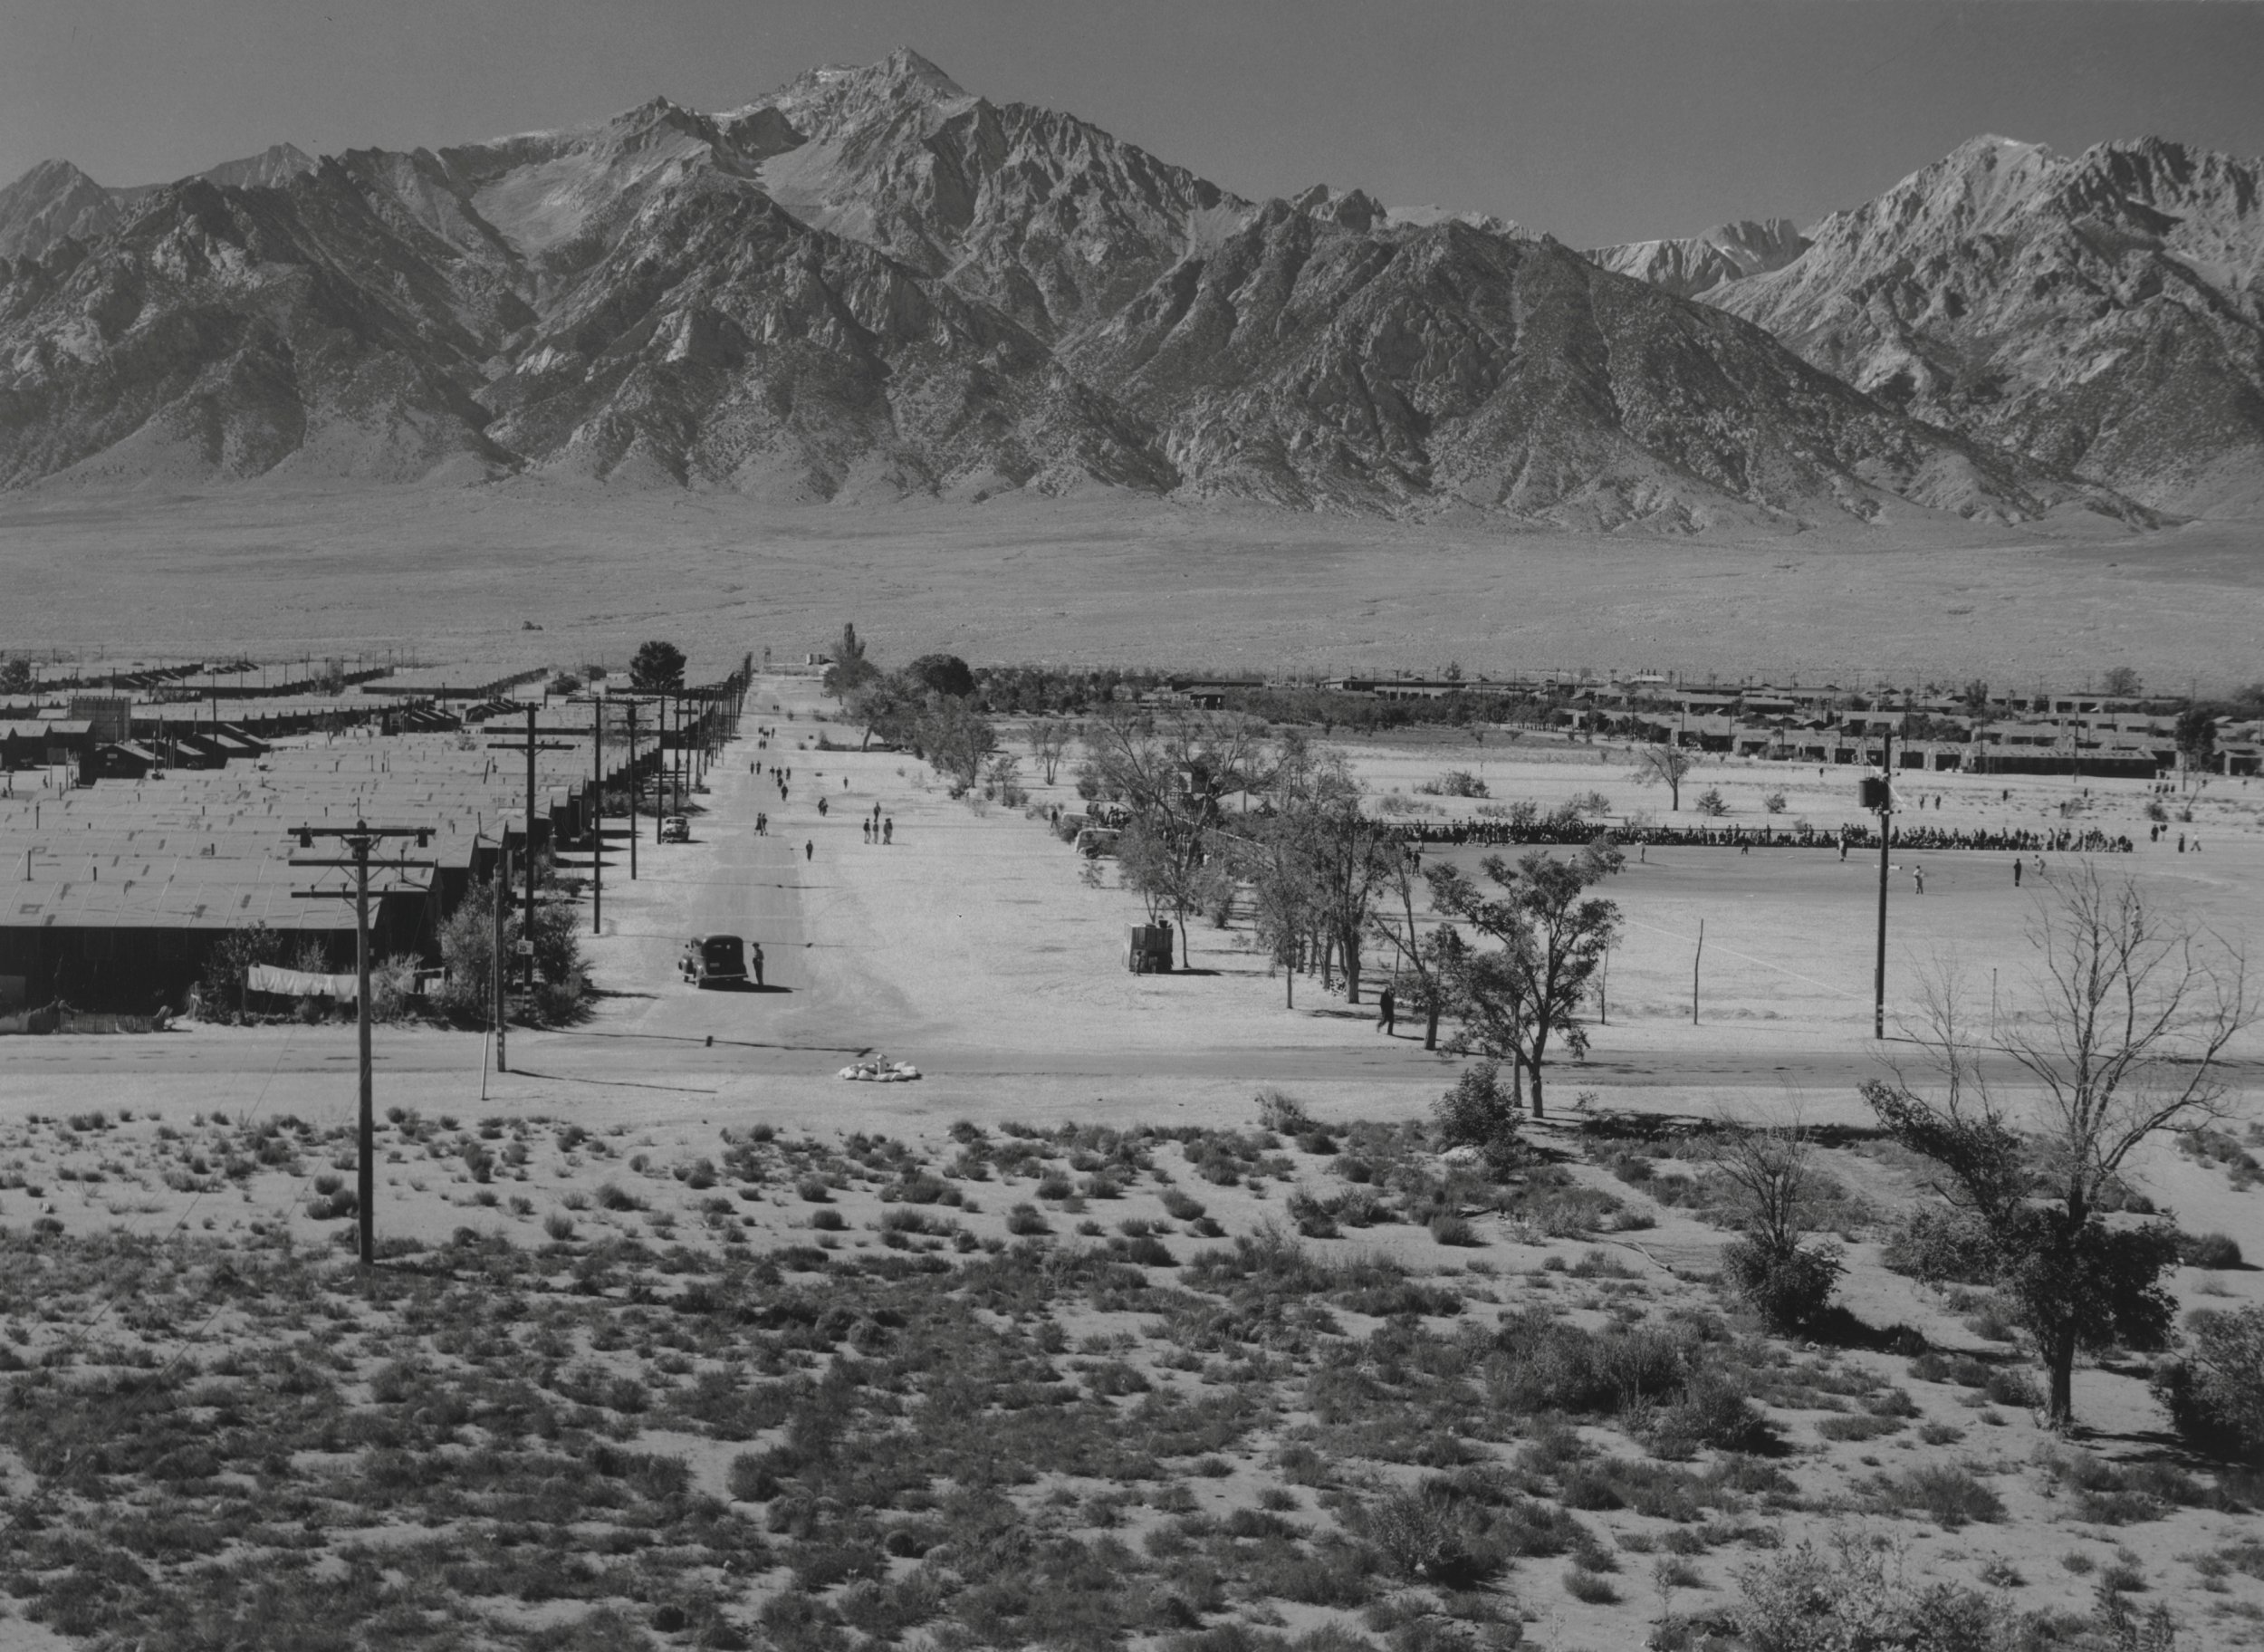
[(809, 849), (2015, 873), (754, 961), (888, 829), (1918, 876), (1386, 1011)]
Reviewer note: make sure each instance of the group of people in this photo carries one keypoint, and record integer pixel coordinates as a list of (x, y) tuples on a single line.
[(1570, 830)]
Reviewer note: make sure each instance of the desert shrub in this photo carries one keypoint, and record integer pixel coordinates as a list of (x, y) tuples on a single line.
[(1025, 1220), (1428, 1534), (1543, 1363), (2214, 1390), (2209, 1251), (1478, 1112), (1945, 1494), (1809, 1599), (1314, 1218), (826, 1219), (1789, 1286), (1447, 1228), (1181, 1206), (813, 1190), (1937, 1245), (2012, 1388), (1280, 1111), (1711, 1411), (611, 1197)]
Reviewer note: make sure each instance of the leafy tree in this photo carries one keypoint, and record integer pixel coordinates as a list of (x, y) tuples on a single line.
[(228, 965), (2130, 1016), (1973, 698), (467, 949), (2214, 1391), (1712, 804), (658, 665), (884, 707), (851, 669), (2197, 735), (944, 674), (2121, 681), (1665, 762), (15, 676), (1174, 773), (1550, 936), (954, 738), (1477, 1112)]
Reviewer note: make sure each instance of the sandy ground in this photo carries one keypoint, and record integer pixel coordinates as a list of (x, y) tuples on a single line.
[(458, 573)]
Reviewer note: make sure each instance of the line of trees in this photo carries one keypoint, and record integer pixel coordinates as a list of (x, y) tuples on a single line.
[(926, 707)]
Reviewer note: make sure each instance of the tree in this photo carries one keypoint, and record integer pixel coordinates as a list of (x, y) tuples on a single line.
[(955, 738), (851, 669), (1396, 926), (1773, 1190), (2121, 681), (944, 674), (1550, 937), (467, 949), (1665, 762), (2129, 1015), (2197, 735), (1173, 774), (1050, 741), (882, 706), (658, 665), (1973, 698), (15, 675)]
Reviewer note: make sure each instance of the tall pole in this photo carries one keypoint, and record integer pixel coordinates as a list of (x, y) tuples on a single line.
[(528, 932), (1886, 840), (596, 818), (660, 774), (365, 1174), (632, 791), (495, 948)]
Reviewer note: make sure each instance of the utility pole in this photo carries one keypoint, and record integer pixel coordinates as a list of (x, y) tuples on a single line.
[(632, 791), (360, 839), (495, 946), (531, 745), (1886, 843)]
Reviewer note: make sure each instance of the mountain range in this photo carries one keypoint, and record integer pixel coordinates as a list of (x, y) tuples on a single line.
[(871, 283)]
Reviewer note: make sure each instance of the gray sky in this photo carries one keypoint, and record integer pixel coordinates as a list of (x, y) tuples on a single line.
[(1595, 120)]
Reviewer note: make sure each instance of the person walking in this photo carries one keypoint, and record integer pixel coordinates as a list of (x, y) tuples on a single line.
[(1386, 1011), (809, 849), (754, 961), (888, 829), (2016, 871), (821, 807), (1918, 876)]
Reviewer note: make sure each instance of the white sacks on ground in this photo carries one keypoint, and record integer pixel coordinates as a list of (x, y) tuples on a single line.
[(879, 1070)]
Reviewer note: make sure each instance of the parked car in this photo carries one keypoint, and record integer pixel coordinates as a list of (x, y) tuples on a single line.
[(712, 957), (676, 828)]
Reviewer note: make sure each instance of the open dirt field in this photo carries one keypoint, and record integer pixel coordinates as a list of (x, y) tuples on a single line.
[(456, 575), (1077, 1341)]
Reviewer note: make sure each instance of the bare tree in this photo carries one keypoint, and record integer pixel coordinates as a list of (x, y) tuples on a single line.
[(2130, 1013), (1398, 926), (1051, 739), (1666, 762), (1774, 1198)]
